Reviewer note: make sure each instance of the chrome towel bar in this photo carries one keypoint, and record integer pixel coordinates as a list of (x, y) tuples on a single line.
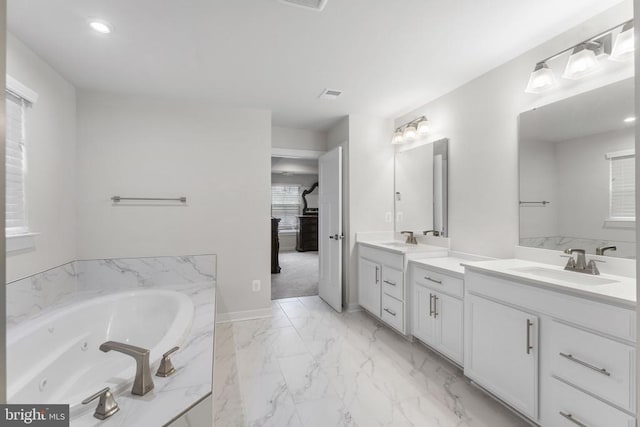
[(543, 203), (117, 199)]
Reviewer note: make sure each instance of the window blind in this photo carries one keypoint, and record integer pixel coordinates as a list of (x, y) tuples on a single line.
[(285, 204), (16, 220), (623, 186)]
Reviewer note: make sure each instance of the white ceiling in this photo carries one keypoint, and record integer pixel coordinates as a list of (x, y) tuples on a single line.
[(591, 113), (389, 56)]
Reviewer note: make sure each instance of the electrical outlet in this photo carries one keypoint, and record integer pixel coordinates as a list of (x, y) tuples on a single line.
[(255, 286), (388, 217)]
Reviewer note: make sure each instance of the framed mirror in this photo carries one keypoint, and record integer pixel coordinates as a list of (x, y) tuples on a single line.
[(577, 173), (421, 182)]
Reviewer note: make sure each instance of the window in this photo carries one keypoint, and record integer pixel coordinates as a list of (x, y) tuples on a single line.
[(16, 219), (285, 204), (622, 185)]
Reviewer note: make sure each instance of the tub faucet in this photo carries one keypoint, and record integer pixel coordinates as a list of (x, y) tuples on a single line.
[(143, 382), (602, 250), (436, 233)]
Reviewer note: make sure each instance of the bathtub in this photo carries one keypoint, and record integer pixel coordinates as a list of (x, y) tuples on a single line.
[(55, 358)]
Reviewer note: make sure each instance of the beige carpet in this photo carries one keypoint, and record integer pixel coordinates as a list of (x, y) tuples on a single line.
[(299, 275)]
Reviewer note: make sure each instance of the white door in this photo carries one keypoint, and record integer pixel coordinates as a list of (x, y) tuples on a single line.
[(330, 236), (501, 352)]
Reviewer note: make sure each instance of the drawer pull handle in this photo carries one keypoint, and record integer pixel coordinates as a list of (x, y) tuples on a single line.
[(573, 420), (529, 346), (390, 312), (602, 371), (439, 282), (389, 283)]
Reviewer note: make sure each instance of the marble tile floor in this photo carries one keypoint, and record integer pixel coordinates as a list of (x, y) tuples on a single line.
[(310, 366)]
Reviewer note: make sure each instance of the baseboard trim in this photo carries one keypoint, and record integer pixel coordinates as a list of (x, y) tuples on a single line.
[(352, 307), (243, 315)]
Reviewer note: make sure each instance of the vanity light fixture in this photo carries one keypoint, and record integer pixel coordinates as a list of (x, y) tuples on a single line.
[(100, 26), (411, 131), (624, 46), (585, 57), (630, 119)]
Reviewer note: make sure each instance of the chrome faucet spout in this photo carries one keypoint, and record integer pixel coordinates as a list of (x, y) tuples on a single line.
[(143, 382)]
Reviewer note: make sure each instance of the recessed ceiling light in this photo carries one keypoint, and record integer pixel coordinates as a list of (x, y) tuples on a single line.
[(630, 120), (103, 27)]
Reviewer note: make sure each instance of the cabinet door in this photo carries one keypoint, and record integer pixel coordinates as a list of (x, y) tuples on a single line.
[(501, 352), (369, 285), (424, 323), (449, 315)]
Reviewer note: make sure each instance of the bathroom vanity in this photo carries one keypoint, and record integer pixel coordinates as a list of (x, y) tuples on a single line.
[(382, 289), (557, 346)]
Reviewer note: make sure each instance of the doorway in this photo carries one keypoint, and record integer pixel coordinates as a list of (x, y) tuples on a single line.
[(294, 223)]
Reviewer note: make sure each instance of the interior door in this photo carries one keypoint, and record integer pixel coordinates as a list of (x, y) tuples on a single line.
[(330, 237)]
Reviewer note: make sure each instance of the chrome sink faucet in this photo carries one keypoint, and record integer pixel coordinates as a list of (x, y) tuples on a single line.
[(579, 264), (143, 382), (411, 239)]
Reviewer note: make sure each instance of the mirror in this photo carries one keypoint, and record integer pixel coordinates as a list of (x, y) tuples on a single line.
[(577, 172), (421, 188)]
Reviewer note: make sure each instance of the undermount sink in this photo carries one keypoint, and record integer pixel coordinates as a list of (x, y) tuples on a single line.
[(565, 276)]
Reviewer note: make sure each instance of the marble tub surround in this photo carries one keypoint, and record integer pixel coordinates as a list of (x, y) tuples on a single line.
[(310, 366), (621, 292), (193, 276), (559, 243)]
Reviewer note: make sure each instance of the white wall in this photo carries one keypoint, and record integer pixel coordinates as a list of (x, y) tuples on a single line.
[(583, 185), (539, 181), (480, 119), (298, 139), (217, 157), (370, 181), (51, 164)]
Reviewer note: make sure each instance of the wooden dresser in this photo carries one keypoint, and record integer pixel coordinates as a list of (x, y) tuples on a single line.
[(307, 236), (275, 246)]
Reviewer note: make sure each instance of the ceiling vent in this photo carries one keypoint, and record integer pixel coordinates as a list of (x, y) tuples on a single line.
[(330, 94), (307, 4)]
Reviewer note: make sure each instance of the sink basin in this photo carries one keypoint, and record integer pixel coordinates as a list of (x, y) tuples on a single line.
[(565, 276), (399, 244)]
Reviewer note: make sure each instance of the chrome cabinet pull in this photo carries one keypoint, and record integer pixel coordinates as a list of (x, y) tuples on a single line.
[(389, 283), (439, 282), (435, 306), (377, 271), (390, 312), (529, 346), (602, 371), (573, 420), (430, 305)]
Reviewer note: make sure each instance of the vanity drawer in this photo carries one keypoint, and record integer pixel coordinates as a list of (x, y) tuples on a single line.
[(393, 312), (569, 407), (392, 282), (598, 365), (441, 282)]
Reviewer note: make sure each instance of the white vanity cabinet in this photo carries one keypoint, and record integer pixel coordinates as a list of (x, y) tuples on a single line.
[(437, 318), (557, 356), (381, 285)]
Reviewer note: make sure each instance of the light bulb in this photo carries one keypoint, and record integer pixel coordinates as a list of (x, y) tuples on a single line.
[(542, 78), (424, 126), (625, 44), (410, 132), (397, 137), (582, 62)]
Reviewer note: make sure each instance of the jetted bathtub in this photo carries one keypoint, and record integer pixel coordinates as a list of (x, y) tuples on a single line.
[(55, 358)]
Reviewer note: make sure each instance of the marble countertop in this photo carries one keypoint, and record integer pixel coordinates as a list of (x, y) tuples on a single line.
[(175, 394), (402, 248), (447, 265), (622, 292)]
